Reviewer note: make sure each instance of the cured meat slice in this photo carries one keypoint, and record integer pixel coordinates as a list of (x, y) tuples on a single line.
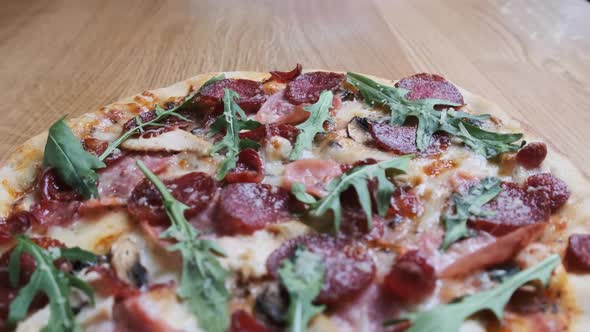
[(315, 174), (252, 95), (247, 207), (349, 268), (306, 88), (17, 223), (404, 203), (532, 155), (411, 277), (48, 213), (514, 207), (119, 179), (277, 109), (547, 187), (286, 76), (249, 168), (425, 85), (52, 188), (97, 147), (241, 321), (402, 139), (577, 255), (167, 124), (263, 133), (196, 190)]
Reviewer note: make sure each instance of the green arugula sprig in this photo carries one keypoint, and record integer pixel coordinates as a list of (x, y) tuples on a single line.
[(302, 276), (450, 317), (74, 165), (232, 121), (319, 113), (48, 279), (202, 281), (161, 114), (358, 178), (459, 124), (469, 205)]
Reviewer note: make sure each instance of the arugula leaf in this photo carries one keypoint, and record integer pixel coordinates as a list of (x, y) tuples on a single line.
[(233, 120), (358, 178), (51, 281), (468, 205), (319, 113), (450, 317), (71, 162), (202, 281), (303, 277), (460, 124)]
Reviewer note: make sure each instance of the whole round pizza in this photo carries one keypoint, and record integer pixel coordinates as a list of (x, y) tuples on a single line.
[(294, 201)]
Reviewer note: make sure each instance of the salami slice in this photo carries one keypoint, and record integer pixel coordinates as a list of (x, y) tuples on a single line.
[(241, 321), (306, 88), (48, 213), (402, 139), (577, 255), (247, 207), (411, 277), (264, 133), (547, 187), (514, 207), (425, 85), (286, 76), (249, 168), (17, 223), (52, 188), (532, 155), (349, 268), (252, 95)]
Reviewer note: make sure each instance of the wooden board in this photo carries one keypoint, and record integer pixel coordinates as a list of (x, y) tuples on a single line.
[(532, 57)]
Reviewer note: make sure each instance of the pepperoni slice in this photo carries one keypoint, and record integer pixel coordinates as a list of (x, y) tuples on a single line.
[(249, 168), (402, 139), (50, 213), (547, 187), (97, 147), (252, 95), (244, 208), (17, 223), (411, 278), (241, 321), (306, 88), (196, 190), (52, 188), (577, 254), (286, 76), (315, 174), (349, 268), (356, 226), (277, 109), (143, 312), (404, 203), (532, 155), (513, 208), (267, 131), (425, 85)]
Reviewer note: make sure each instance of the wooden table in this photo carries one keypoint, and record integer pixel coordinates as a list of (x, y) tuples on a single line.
[(532, 57)]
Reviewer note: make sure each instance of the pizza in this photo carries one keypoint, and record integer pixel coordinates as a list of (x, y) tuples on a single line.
[(294, 201)]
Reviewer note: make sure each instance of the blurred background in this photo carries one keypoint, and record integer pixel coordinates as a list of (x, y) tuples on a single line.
[(532, 57)]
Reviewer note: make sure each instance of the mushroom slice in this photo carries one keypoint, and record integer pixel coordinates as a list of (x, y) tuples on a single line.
[(126, 262), (358, 130)]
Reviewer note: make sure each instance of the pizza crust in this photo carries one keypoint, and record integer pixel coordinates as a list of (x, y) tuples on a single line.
[(19, 170)]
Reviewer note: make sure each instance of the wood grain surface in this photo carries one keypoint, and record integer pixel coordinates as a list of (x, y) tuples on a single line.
[(531, 57)]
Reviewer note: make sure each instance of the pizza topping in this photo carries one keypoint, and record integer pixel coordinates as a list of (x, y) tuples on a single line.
[(402, 139), (404, 203), (302, 276), (98, 147), (74, 165), (286, 76), (118, 180), (49, 280), (499, 250), (547, 187), (427, 86), (512, 208), (430, 120), (314, 174), (196, 190), (52, 188), (532, 155), (349, 268), (249, 168), (202, 282), (577, 255), (358, 130), (358, 179), (247, 207), (264, 133), (232, 121), (319, 113), (17, 223), (249, 94), (411, 278), (306, 88), (49, 213), (277, 109), (468, 205), (109, 284), (167, 124), (450, 317), (241, 321)]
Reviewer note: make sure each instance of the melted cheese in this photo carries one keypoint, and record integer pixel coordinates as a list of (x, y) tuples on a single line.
[(176, 141)]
